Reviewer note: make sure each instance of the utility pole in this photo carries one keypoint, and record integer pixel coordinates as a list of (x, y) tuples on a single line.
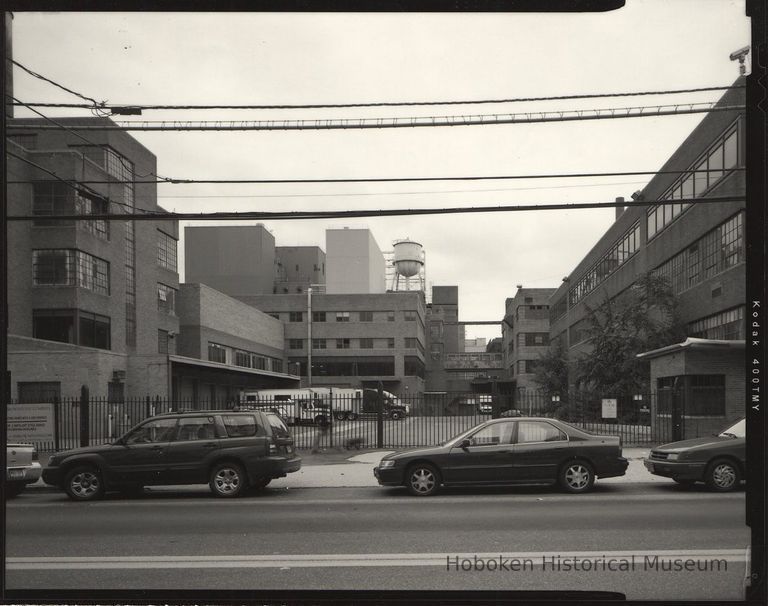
[(309, 337)]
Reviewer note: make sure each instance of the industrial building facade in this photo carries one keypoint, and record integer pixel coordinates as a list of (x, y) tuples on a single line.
[(356, 340), (698, 247)]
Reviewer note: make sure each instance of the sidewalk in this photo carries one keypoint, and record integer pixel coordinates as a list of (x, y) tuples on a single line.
[(337, 468)]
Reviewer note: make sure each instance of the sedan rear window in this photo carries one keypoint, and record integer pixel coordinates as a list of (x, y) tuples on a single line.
[(240, 426), (535, 431)]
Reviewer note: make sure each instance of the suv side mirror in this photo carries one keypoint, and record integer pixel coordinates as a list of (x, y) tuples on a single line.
[(465, 443)]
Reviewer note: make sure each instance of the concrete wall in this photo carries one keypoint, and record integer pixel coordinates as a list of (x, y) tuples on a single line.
[(236, 260), (354, 262)]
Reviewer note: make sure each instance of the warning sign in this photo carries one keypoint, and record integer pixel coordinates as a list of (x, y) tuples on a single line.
[(30, 423)]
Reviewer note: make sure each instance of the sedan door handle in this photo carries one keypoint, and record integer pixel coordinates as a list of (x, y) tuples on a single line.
[(210, 445)]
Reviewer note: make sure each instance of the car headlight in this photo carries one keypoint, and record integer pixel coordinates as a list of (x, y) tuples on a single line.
[(674, 456), (387, 463)]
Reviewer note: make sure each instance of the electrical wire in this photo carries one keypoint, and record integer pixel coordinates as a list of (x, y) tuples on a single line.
[(409, 122), (87, 192), (140, 106), (174, 181), (346, 214), (94, 104)]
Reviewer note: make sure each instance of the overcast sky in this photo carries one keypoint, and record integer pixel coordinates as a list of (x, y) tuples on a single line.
[(290, 58)]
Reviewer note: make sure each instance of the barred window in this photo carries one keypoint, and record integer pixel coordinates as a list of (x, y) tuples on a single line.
[(67, 267), (92, 273), (166, 251)]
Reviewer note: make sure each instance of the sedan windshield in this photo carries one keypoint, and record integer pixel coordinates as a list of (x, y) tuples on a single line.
[(737, 430)]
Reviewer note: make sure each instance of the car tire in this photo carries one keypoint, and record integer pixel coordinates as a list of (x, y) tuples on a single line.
[(339, 416), (84, 483), (13, 489), (422, 479), (228, 480), (577, 476), (351, 416), (396, 415), (722, 475)]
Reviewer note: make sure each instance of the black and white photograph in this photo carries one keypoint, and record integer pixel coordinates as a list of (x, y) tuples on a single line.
[(382, 304)]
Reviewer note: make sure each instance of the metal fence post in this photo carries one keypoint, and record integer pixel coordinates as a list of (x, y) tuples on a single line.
[(56, 420), (330, 419), (85, 417), (380, 415)]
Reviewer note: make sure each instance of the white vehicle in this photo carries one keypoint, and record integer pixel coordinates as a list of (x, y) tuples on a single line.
[(351, 403), (22, 468), (296, 406)]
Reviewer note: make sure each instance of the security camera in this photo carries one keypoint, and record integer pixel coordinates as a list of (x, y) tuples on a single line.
[(638, 195), (740, 54)]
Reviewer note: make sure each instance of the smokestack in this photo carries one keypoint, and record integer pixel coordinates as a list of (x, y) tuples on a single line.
[(619, 209)]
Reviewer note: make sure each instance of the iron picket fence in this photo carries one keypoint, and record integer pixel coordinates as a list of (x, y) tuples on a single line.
[(346, 421)]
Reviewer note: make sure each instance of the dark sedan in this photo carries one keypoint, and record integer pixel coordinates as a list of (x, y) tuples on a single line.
[(524, 450), (718, 461)]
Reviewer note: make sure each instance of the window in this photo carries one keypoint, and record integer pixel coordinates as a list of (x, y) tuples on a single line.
[(536, 431), (92, 205), (274, 314), (39, 391), (165, 343), (410, 315), (342, 343), (319, 344), (342, 316), (725, 325), (217, 353), (411, 343), (413, 366), (166, 251), (92, 273), (366, 343), (390, 316), (159, 430), (196, 428), (526, 367), (94, 330), (52, 198), (240, 426), (295, 343), (243, 359), (390, 343), (534, 339), (318, 316), (166, 298), (53, 267), (435, 331), (279, 430), (71, 326), (492, 435), (366, 316), (707, 396), (296, 316)]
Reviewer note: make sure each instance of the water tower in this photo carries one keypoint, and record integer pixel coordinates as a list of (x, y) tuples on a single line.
[(408, 259)]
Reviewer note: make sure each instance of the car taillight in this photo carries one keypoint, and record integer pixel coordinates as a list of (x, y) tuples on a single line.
[(272, 449)]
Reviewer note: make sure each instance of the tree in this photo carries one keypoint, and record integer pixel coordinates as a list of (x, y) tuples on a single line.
[(552, 371), (642, 318)]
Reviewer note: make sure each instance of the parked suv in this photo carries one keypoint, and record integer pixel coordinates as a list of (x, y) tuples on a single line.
[(230, 450)]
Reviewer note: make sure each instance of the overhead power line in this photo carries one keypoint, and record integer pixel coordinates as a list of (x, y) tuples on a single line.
[(174, 181), (94, 104), (346, 214), (121, 107), (406, 122)]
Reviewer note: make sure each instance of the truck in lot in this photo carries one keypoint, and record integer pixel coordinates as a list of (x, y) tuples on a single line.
[(296, 406), (352, 404)]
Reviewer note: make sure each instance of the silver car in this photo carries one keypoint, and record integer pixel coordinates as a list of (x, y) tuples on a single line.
[(22, 468)]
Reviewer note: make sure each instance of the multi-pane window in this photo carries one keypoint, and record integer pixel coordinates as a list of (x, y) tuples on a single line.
[(701, 176), (714, 252), (163, 341), (296, 316), (52, 198), (617, 255), (319, 344), (390, 316), (411, 342), (295, 343), (91, 205), (390, 343), (366, 316), (67, 267), (342, 316), (342, 343), (217, 353), (72, 326), (366, 343), (166, 298), (318, 316), (534, 339), (727, 325), (410, 315), (166, 251)]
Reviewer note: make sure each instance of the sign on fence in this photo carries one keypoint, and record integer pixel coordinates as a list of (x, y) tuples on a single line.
[(609, 408), (30, 423)]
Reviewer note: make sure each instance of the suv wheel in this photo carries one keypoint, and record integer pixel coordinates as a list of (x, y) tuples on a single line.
[(227, 480), (339, 416), (351, 416), (723, 475), (577, 476), (84, 483)]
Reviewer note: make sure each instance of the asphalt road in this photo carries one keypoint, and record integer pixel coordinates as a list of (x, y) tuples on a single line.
[(382, 539)]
